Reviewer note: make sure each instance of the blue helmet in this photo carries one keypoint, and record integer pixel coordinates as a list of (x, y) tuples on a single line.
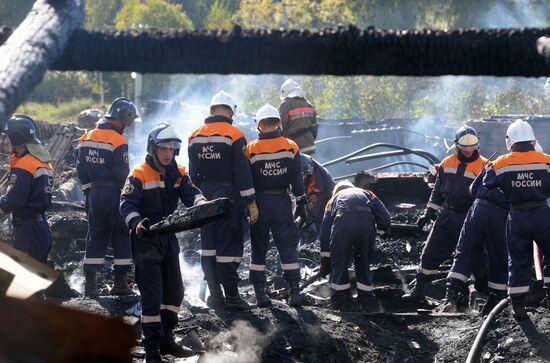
[(124, 110), (21, 130)]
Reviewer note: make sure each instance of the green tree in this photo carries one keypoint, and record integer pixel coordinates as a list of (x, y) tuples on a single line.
[(101, 13), (258, 14), (219, 17), (151, 13)]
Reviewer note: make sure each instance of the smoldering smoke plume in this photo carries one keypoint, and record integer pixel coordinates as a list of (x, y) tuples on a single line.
[(241, 343)]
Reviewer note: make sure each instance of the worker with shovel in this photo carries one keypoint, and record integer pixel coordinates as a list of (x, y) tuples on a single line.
[(152, 192)]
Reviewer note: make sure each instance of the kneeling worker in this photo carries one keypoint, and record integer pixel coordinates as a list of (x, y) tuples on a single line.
[(275, 162), (349, 228), (151, 193)]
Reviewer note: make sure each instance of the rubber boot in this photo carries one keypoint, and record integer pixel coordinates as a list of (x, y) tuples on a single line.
[(492, 301), (518, 308), (152, 352), (367, 302), (295, 299), (342, 301), (215, 300), (417, 292), (168, 345), (233, 300), (120, 287), (90, 284), (451, 301), (262, 300)]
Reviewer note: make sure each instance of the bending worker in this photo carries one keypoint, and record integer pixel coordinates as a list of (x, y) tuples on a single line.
[(523, 176), (151, 193), (275, 163), (29, 192), (452, 197), (351, 221), (219, 167), (102, 168)]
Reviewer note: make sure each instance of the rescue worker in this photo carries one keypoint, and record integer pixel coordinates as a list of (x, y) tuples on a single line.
[(319, 186), (151, 193), (484, 229), (219, 167), (102, 168), (29, 193), (276, 165), (298, 117), (452, 197), (523, 176), (352, 219)]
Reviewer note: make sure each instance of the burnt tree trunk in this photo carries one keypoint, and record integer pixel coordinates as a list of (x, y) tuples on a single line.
[(33, 47)]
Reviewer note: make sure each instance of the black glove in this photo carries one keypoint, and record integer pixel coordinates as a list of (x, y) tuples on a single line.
[(143, 229), (325, 266), (301, 213), (86, 196), (429, 215)]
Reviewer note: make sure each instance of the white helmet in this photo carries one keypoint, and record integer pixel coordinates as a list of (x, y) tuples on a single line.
[(267, 111), (519, 131), (344, 184), (291, 89), (224, 98)]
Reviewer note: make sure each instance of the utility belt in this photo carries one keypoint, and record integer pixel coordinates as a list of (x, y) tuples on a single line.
[(356, 209), (527, 205), (28, 220), (272, 191), (103, 183), (489, 204)]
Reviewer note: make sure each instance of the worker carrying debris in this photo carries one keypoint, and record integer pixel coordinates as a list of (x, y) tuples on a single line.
[(451, 196), (219, 167), (523, 176), (152, 192), (319, 186), (102, 168), (298, 116), (29, 192), (353, 217), (276, 165), (484, 229)]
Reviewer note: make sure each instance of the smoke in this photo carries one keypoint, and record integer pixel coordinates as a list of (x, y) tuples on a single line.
[(241, 343), (516, 14)]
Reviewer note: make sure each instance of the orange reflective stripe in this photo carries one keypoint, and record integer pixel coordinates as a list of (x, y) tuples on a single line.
[(311, 187), (182, 170), (218, 129), (29, 163), (265, 146), (105, 136), (145, 173), (372, 195), (450, 165), (521, 158)]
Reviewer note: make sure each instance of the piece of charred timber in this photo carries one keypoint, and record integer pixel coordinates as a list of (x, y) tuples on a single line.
[(194, 217), (33, 47)]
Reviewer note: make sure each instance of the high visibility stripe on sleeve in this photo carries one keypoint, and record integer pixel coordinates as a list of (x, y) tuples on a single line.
[(131, 216), (123, 261), (306, 149), (325, 254), (208, 253), (228, 259), (273, 156), (94, 261), (247, 192), (518, 289), (300, 198), (364, 287), (458, 276), (547, 280), (86, 186), (434, 206), (42, 171), (254, 267), (290, 266), (97, 145), (146, 319), (153, 185), (209, 139), (172, 308), (340, 287), (495, 286), (449, 170), (469, 175)]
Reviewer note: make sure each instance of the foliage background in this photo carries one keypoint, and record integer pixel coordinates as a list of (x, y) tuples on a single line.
[(62, 95)]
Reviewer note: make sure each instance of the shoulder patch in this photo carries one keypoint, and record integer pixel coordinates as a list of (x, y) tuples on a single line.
[(128, 189)]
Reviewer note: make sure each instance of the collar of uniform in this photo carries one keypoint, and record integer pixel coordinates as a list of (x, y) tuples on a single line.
[(106, 125), (269, 135), (522, 147), (464, 159), (172, 168), (218, 118)]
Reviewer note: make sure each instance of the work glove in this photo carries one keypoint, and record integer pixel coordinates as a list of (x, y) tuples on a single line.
[(143, 229), (301, 213), (200, 200), (325, 266), (253, 212), (429, 215)]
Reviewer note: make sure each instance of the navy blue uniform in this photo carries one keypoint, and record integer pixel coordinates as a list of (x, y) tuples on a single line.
[(276, 165), (148, 194), (482, 237), (451, 195), (319, 185), (523, 176), (28, 197), (102, 167), (219, 167), (349, 230)]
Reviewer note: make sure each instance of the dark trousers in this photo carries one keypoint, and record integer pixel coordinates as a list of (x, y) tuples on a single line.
[(482, 238), (276, 216), (158, 276), (105, 225), (35, 239)]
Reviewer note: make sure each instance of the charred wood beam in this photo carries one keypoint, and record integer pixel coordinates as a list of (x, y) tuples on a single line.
[(33, 47), (340, 51)]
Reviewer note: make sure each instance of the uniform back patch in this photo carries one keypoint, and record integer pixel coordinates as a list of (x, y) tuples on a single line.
[(128, 189)]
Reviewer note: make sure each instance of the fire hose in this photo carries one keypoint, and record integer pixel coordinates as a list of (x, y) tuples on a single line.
[(473, 355)]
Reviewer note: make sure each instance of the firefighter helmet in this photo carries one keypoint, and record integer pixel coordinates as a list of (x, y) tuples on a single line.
[(21, 130), (124, 110), (519, 131), (291, 89), (466, 138), (266, 111), (163, 135), (223, 98)]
